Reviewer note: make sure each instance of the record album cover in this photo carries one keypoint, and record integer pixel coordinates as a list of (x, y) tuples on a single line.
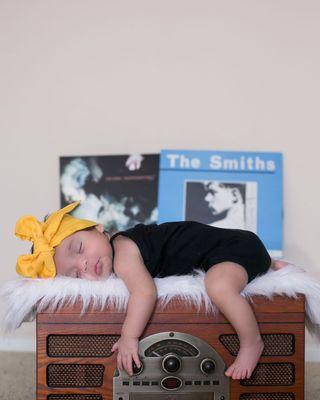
[(118, 191), (226, 189)]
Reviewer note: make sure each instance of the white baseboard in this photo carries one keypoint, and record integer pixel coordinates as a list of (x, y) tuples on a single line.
[(312, 354), (18, 344)]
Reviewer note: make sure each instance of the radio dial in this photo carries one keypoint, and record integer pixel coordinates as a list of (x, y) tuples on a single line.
[(171, 363), (207, 366), (171, 383)]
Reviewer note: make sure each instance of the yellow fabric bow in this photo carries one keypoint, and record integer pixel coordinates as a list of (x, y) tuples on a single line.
[(45, 237)]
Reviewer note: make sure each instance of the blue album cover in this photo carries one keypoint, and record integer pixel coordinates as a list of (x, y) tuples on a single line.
[(227, 189)]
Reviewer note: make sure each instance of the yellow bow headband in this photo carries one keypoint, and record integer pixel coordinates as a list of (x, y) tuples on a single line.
[(45, 236)]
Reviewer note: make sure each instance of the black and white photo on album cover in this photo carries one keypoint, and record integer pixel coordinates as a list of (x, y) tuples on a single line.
[(118, 191), (222, 204)]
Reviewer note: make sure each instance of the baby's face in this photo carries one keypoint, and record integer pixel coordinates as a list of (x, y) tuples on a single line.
[(85, 254)]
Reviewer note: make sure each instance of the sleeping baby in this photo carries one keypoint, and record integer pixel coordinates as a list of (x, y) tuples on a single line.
[(79, 248)]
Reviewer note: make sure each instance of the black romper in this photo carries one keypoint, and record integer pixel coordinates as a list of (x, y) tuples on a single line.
[(177, 248)]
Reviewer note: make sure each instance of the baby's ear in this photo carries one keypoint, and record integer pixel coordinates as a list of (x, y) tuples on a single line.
[(99, 228)]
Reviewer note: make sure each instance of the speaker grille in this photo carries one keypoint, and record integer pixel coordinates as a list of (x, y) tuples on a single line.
[(267, 396), (271, 374), (74, 397), (275, 344), (80, 345), (75, 375)]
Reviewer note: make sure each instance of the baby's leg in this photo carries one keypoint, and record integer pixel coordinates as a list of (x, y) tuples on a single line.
[(224, 282)]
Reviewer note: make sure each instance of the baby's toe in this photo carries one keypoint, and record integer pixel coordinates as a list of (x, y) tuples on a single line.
[(229, 371), (249, 373), (243, 374), (278, 264), (236, 374)]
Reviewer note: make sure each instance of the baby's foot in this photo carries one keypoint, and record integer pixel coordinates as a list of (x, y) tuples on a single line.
[(278, 264), (246, 360)]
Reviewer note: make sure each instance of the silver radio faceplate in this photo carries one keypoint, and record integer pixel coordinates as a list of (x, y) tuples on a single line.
[(175, 366)]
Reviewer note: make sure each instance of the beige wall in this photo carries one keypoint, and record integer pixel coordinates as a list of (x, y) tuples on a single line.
[(121, 76)]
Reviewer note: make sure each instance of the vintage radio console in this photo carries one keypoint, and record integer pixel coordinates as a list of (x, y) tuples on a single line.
[(184, 352), (174, 362)]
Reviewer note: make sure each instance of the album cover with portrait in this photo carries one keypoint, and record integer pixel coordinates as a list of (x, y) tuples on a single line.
[(238, 190), (118, 191)]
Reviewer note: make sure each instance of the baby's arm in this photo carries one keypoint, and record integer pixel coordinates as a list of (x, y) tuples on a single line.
[(129, 266)]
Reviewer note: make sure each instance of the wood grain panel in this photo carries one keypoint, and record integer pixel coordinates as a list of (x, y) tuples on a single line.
[(279, 315)]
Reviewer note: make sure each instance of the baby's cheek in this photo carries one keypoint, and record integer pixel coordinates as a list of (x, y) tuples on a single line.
[(59, 269), (106, 273)]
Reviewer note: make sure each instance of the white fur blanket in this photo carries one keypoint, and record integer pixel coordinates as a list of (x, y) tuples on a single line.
[(25, 297)]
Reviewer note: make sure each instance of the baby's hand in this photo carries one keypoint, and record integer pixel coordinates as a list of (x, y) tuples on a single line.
[(127, 348)]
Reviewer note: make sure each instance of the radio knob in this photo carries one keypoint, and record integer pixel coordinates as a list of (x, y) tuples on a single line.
[(207, 366), (137, 370), (171, 363)]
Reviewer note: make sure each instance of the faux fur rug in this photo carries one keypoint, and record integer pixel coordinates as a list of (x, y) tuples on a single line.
[(25, 297)]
